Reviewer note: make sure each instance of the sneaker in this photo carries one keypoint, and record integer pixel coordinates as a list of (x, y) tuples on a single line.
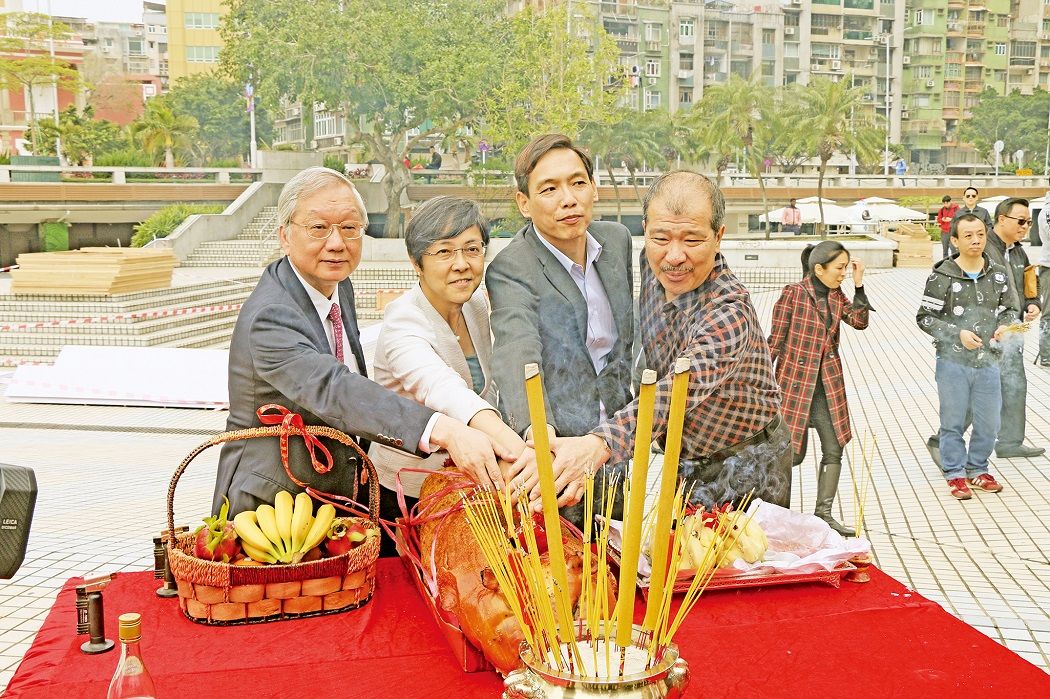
[(1020, 451), (960, 491), (985, 482)]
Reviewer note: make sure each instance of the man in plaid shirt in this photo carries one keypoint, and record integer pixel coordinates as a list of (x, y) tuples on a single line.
[(691, 305)]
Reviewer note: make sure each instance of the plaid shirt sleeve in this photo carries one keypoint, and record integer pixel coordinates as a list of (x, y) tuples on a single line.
[(716, 342)]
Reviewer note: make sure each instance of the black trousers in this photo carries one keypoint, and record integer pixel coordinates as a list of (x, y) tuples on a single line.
[(390, 510), (820, 420)]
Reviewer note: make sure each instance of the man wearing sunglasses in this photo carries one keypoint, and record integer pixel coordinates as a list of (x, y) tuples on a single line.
[(969, 206), (1012, 219)]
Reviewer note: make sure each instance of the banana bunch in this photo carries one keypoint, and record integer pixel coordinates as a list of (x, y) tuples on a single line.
[(285, 531)]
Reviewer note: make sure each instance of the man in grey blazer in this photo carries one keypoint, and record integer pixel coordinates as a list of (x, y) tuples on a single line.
[(296, 344), (561, 296)]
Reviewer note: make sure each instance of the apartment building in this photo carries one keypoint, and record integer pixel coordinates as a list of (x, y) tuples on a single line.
[(155, 20), (193, 36)]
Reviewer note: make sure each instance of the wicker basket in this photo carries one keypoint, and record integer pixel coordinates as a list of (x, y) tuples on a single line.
[(212, 592)]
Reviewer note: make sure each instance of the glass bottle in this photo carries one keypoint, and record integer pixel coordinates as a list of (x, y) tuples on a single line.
[(132, 679)]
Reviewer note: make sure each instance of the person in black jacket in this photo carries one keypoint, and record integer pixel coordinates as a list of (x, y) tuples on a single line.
[(1012, 219), (969, 206), (966, 307)]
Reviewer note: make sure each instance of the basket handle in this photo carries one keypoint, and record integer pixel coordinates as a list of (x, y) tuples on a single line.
[(282, 431)]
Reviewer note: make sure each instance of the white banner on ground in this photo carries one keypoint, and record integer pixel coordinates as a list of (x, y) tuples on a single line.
[(141, 376)]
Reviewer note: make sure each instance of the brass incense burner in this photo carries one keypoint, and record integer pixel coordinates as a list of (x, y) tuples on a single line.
[(666, 679)]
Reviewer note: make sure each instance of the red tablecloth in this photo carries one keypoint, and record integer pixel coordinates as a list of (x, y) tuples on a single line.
[(863, 640)]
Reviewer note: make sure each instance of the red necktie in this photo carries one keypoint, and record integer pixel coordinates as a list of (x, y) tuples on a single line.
[(337, 326)]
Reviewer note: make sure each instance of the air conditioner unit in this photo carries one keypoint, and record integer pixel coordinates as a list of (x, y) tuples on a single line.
[(296, 111), (930, 83), (868, 97), (904, 115), (651, 81), (1030, 71), (789, 31), (907, 60), (836, 65), (816, 66), (652, 46), (796, 2), (338, 140), (313, 145)]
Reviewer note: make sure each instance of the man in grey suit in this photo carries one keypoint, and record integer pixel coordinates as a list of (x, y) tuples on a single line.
[(296, 344), (561, 296)]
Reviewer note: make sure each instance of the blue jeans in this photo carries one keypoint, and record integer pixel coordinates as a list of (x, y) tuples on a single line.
[(961, 390)]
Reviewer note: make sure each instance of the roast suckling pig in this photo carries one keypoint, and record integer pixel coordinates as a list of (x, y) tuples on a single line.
[(466, 586)]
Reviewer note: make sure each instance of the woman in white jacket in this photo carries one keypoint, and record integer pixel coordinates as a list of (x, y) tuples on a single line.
[(435, 344)]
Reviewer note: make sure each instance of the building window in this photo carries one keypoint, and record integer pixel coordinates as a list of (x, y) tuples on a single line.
[(922, 17), (149, 90), (826, 21), (202, 20), (826, 51), (202, 54), (952, 70), (1024, 49), (1000, 48), (652, 100), (769, 37), (135, 47), (686, 28), (652, 67), (685, 61), (924, 72), (652, 32), (685, 97)]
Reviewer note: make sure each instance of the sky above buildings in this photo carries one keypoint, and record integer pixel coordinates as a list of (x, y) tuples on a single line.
[(99, 10)]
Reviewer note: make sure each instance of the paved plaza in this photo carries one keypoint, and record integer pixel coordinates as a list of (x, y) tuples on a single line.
[(103, 474)]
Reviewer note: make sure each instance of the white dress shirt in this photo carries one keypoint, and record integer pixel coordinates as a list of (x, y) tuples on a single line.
[(601, 325), (323, 306)]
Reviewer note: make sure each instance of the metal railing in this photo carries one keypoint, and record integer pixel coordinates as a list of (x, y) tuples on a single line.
[(120, 174)]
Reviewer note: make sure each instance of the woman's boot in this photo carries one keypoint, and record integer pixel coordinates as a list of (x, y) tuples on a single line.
[(827, 487)]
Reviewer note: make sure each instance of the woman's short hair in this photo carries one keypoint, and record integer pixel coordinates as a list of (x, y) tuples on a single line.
[(821, 254), (305, 183), (442, 218)]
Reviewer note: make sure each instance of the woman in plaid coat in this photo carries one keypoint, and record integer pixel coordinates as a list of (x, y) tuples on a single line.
[(804, 345)]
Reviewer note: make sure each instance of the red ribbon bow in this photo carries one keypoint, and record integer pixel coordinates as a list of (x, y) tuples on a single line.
[(292, 424)]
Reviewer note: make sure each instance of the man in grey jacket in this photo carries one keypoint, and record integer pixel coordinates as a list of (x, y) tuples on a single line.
[(561, 295), (296, 344)]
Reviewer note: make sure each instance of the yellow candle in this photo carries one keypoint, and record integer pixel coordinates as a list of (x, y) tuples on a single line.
[(665, 501), (548, 496), (634, 514)]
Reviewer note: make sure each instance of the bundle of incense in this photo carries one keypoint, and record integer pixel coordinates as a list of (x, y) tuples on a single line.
[(1017, 327), (861, 483)]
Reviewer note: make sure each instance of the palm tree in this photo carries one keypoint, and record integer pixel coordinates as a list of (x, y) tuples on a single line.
[(642, 137), (833, 118), (602, 139), (160, 129), (736, 115)]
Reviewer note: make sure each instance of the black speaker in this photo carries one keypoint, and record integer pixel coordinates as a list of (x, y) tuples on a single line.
[(17, 500)]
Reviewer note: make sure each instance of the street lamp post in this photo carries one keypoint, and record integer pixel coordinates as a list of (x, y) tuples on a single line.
[(889, 98)]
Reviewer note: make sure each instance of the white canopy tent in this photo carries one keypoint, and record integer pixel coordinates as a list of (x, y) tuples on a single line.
[(880, 209), (834, 215)]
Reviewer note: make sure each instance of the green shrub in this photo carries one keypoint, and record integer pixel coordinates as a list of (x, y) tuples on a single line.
[(334, 162), (165, 220), (5, 157), (225, 162), (129, 157)]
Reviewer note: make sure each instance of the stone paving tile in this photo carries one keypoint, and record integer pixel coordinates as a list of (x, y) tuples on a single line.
[(102, 490)]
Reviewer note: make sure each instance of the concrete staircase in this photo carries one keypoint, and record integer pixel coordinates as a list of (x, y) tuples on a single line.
[(34, 328), (255, 246)]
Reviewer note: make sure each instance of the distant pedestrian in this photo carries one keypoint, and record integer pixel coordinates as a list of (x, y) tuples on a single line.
[(969, 206), (804, 345), (434, 164), (901, 169), (966, 305), (791, 219), (944, 220), (1044, 282)]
